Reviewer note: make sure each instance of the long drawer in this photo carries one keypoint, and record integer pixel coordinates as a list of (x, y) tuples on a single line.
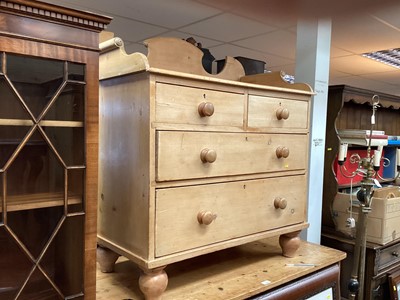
[(188, 155), (270, 112), (194, 216), (196, 106), (387, 257)]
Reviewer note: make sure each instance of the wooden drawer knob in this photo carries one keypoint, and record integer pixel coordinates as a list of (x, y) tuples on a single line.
[(280, 203), (282, 113), (282, 152), (208, 155), (206, 217), (206, 109)]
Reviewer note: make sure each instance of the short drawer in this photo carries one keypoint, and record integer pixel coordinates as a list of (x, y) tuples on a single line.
[(388, 256), (269, 112), (196, 106), (194, 216), (188, 155)]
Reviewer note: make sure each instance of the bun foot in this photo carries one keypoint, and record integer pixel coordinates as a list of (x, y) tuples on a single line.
[(153, 283), (289, 243), (106, 259)]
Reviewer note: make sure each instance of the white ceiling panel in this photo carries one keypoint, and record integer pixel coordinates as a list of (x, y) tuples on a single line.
[(133, 31), (337, 52), (394, 90), (273, 20), (358, 65), (227, 27), (236, 28), (171, 14), (362, 82), (268, 17), (390, 15), (363, 34), (389, 77), (206, 43), (279, 42), (334, 74), (135, 47)]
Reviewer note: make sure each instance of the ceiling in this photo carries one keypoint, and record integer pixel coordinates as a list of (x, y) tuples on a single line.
[(264, 32)]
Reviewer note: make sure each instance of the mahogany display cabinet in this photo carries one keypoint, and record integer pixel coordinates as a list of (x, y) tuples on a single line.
[(48, 150)]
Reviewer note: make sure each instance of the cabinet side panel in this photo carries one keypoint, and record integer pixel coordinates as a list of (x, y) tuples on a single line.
[(124, 188), (92, 147), (335, 104)]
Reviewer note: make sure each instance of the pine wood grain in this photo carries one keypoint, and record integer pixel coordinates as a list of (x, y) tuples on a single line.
[(237, 153), (235, 273), (153, 131), (177, 228)]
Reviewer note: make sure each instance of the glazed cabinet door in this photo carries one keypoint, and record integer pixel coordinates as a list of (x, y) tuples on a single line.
[(42, 178)]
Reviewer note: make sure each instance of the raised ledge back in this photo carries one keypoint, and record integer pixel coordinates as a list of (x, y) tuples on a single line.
[(114, 61), (275, 79), (170, 54), (174, 54), (178, 55)]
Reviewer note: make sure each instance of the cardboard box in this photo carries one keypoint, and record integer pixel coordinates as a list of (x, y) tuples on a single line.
[(383, 223)]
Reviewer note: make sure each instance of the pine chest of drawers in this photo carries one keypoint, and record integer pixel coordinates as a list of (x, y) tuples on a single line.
[(192, 163)]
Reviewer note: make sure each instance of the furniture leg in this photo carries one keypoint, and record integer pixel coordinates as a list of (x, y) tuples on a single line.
[(153, 283), (106, 259), (289, 243)]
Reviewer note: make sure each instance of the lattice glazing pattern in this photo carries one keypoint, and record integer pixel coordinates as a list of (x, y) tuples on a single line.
[(42, 173)]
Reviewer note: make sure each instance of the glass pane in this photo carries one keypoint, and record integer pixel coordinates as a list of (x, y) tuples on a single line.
[(36, 79), (69, 105), (36, 177), (38, 172), (75, 190), (41, 223), (39, 288), (11, 106), (69, 143), (63, 261), (76, 71), (10, 138), (14, 265)]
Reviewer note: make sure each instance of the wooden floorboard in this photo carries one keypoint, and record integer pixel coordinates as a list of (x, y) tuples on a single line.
[(235, 273)]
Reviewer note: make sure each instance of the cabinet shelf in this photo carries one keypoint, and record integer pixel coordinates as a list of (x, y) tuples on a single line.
[(54, 123), (349, 109), (49, 57), (39, 200)]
